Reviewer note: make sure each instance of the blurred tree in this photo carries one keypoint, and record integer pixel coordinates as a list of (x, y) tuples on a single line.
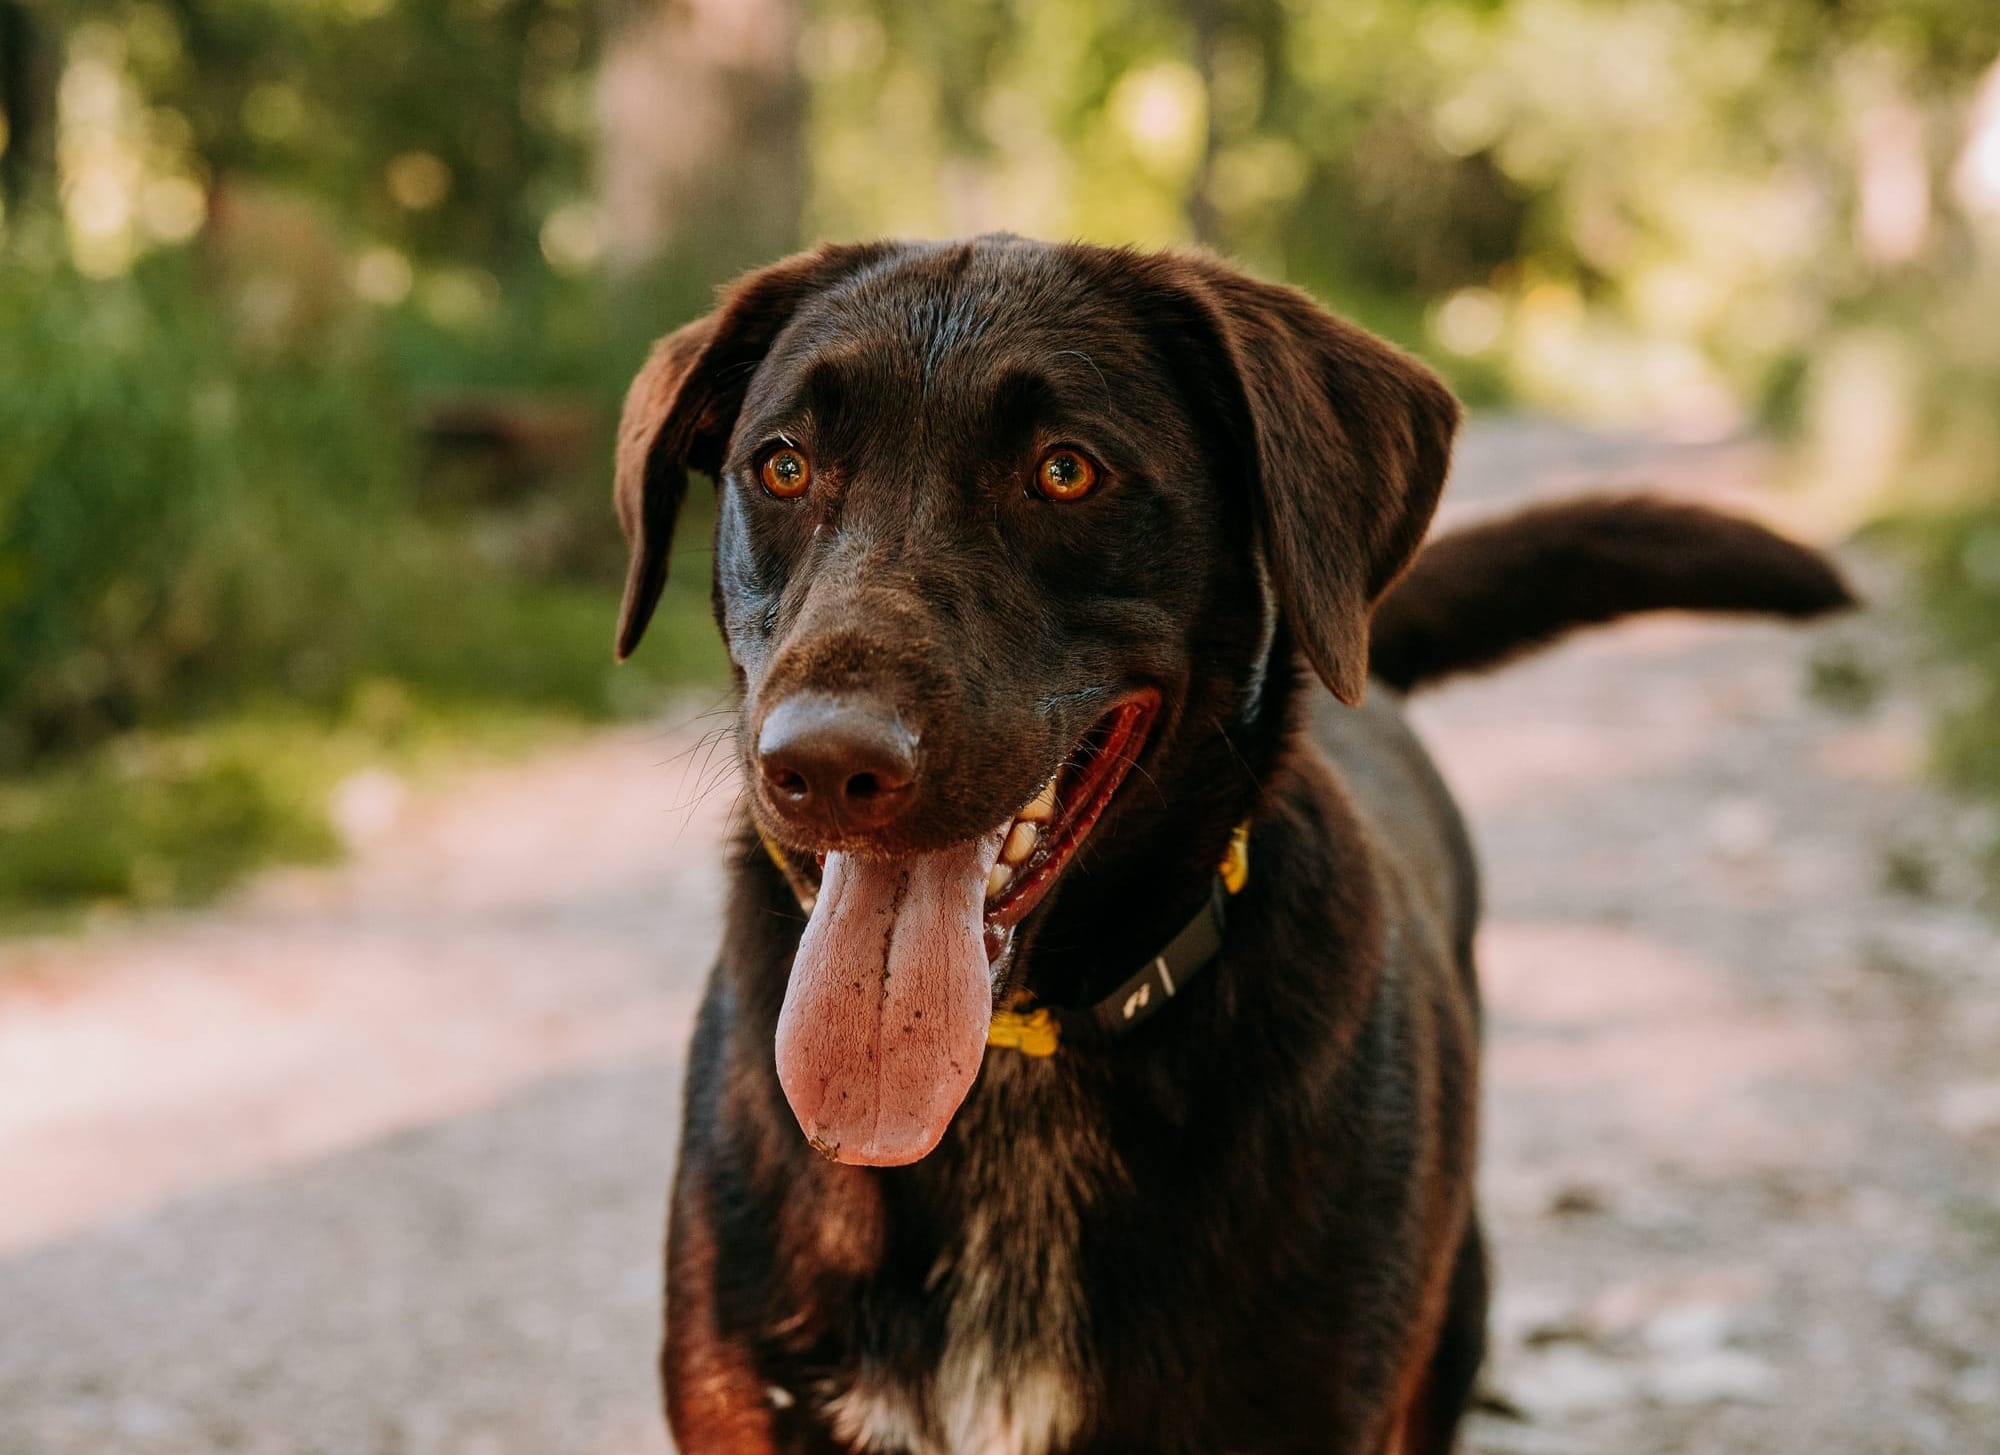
[(1228, 96), (446, 129), (27, 106), (702, 164)]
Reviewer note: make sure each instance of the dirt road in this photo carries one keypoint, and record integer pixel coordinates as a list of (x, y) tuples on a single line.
[(371, 1161)]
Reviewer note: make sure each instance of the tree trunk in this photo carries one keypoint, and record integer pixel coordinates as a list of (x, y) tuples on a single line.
[(27, 107), (1205, 20), (702, 109)]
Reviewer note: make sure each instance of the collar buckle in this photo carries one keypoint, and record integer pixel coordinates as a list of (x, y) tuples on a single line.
[(1034, 1032)]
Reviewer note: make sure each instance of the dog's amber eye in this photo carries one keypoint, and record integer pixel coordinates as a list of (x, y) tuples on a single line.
[(786, 472), (1064, 475)]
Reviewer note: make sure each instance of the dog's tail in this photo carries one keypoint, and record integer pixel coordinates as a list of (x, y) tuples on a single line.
[(1478, 597)]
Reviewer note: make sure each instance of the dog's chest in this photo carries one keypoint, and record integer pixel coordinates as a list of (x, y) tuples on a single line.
[(1007, 1378), (1009, 1373)]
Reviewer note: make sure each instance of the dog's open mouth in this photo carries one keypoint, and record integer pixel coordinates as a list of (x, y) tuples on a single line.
[(886, 1010), (1044, 836)]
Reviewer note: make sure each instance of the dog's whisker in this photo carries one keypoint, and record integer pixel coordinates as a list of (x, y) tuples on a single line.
[(704, 788), (705, 740), (710, 742)]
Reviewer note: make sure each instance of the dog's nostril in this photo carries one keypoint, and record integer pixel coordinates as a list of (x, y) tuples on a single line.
[(864, 786), (791, 784)]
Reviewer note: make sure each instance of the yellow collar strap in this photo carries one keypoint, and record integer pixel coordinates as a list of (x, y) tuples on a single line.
[(1037, 1030), (803, 889)]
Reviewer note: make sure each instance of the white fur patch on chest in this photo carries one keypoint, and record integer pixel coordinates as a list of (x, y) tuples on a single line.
[(1009, 1381), (976, 1413)]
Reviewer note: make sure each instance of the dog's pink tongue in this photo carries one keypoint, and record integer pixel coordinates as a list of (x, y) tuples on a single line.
[(884, 1021)]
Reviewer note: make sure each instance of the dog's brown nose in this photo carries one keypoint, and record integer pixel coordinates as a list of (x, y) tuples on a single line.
[(836, 762)]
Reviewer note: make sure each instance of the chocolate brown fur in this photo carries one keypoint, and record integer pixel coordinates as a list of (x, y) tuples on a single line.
[(1248, 1225)]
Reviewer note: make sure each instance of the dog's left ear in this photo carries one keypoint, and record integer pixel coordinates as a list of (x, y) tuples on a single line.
[(1351, 441), (683, 405)]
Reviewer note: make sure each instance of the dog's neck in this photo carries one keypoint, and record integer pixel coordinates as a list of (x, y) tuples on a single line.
[(1139, 887)]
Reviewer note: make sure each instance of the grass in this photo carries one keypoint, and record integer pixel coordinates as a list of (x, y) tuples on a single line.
[(1959, 575), (161, 819), (171, 818)]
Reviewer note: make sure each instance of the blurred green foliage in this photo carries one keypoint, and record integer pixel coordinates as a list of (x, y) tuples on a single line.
[(215, 570), (1961, 558), (183, 522), (173, 519), (162, 822), (212, 555), (448, 130), (164, 816), (313, 318)]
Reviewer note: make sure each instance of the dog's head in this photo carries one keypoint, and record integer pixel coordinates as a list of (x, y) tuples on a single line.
[(999, 522)]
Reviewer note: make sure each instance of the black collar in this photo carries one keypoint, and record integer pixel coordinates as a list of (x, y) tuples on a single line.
[(1039, 1030)]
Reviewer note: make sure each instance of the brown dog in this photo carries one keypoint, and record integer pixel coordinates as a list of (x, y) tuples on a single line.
[(1091, 1060)]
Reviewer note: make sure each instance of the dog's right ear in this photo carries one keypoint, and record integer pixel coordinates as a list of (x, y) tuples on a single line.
[(683, 404)]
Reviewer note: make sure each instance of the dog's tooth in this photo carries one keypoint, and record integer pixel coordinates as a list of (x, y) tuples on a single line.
[(998, 880), (1021, 840), (1044, 807)]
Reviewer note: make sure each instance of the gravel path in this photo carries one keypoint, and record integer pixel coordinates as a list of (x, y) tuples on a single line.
[(371, 1161)]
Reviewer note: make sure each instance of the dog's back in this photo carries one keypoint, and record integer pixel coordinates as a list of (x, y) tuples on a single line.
[(1400, 796), (1482, 596)]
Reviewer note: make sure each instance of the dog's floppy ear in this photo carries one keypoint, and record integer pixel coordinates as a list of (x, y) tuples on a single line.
[(1351, 441), (682, 406)]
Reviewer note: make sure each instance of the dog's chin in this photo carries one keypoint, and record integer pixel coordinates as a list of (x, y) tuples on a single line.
[(885, 1015)]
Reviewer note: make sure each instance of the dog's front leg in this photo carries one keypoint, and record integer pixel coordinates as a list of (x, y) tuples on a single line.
[(716, 1403)]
